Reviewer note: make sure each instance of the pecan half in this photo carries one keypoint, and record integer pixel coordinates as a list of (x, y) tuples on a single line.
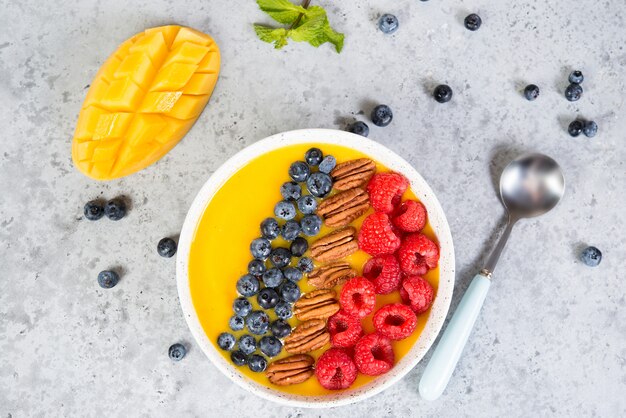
[(290, 370), (307, 337), (331, 275), (318, 304), (344, 207), (336, 245), (353, 173)]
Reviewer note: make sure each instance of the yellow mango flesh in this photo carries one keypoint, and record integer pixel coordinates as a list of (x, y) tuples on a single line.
[(143, 100)]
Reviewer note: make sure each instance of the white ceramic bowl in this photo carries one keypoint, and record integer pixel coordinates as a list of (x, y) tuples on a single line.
[(437, 220)]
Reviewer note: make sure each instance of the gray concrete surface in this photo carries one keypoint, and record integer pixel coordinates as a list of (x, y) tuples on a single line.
[(551, 338)]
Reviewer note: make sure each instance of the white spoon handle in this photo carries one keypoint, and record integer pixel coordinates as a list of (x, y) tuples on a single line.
[(446, 355)]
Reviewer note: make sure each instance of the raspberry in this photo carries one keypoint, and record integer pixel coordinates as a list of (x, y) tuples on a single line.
[(373, 355), (410, 216), (377, 236), (395, 321), (358, 297), (386, 190), (384, 272), (345, 330), (335, 369), (417, 254), (417, 292)]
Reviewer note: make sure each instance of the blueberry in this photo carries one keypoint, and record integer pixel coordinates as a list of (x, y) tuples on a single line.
[(177, 352), (280, 257), (256, 267), (305, 265), (299, 247), (576, 77), (313, 156), (531, 92), (260, 248), (247, 344), (236, 322), (442, 93), (290, 230), (108, 279), (280, 328), (573, 92), (472, 22), (299, 171), (273, 277), (270, 228), (285, 210), (270, 346), (290, 190), (591, 256), (327, 164), (590, 129), (257, 363), (381, 115), (388, 23), (283, 310), (258, 322), (307, 204), (575, 128), (242, 307), (290, 291), (319, 184), (267, 298), (238, 358), (359, 128), (248, 285), (93, 210), (311, 225), (292, 274), (226, 341), (115, 209), (166, 247)]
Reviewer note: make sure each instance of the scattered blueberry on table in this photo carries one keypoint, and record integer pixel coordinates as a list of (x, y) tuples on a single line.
[(359, 128), (575, 128), (442, 93), (93, 210), (108, 279), (573, 92), (226, 341), (382, 115), (177, 352), (590, 129), (531, 92), (115, 209), (472, 22), (270, 346), (591, 256), (388, 23), (576, 77), (166, 247), (257, 363)]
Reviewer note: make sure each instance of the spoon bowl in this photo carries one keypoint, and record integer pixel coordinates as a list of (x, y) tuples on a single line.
[(531, 185)]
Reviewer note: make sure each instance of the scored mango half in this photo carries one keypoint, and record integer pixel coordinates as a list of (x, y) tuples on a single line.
[(143, 100)]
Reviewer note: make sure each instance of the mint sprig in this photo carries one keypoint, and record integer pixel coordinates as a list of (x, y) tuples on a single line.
[(305, 24)]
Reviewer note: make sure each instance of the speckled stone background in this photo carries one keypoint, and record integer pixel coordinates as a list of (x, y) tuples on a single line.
[(551, 340)]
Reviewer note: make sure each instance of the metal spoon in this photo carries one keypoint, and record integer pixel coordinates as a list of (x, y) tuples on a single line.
[(530, 186)]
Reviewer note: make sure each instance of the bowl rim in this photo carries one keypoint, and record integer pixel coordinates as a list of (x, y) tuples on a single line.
[(383, 155)]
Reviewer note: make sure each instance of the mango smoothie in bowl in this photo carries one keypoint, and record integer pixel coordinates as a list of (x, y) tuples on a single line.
[(315, 268)]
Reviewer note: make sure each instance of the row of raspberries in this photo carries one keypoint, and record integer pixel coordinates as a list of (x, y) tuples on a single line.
[(400, 255)]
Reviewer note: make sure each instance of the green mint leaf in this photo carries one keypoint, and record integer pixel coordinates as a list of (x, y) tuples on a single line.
[(277, 36), (282, 11), (315, 29)]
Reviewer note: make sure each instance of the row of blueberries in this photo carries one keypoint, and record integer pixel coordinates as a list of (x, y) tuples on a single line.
[(277, 287)]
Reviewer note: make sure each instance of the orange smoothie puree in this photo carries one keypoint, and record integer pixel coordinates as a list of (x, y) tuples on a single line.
[(220, 252)]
